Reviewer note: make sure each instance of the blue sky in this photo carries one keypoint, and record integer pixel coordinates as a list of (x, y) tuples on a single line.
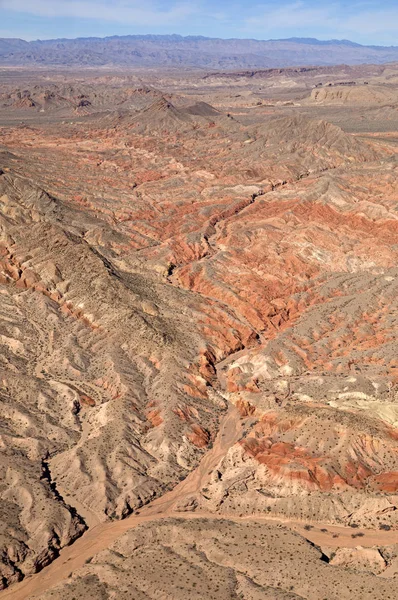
[(367, 22)]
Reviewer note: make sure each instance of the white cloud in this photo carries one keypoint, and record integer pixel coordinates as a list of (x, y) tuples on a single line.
[(374, 21), (330, 19), (133, 12), (290, 16)]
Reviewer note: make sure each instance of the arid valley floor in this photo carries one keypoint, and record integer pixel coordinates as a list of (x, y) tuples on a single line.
[(198, 329)]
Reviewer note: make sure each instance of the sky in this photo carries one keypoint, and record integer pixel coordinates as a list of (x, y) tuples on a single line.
[(365, 22)]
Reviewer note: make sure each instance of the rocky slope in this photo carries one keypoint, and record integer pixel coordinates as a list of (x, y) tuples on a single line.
[(79, 98), (87, 398), (220, 559)]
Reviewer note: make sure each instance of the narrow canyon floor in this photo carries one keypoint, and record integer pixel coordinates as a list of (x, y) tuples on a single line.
[(198, 330)]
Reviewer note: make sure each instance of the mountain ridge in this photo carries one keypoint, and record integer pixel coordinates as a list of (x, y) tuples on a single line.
[(190, 51)]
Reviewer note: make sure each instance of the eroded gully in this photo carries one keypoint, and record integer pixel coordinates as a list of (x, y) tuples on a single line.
[(101, 536)]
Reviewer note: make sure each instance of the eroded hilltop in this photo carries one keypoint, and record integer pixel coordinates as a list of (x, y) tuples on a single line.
[(163, 262)]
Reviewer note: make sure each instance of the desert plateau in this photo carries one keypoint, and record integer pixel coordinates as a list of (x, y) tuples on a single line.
[(198, 326)]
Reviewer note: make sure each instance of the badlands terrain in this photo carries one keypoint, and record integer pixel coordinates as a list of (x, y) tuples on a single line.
[(198, 329)]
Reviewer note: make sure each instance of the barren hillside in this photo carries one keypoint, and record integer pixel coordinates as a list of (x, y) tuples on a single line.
[(198, 329)]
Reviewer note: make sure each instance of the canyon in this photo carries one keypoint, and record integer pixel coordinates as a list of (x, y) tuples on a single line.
[(199, 380)]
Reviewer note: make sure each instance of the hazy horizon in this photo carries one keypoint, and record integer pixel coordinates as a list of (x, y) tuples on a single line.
[(366, 23), (187, 36)]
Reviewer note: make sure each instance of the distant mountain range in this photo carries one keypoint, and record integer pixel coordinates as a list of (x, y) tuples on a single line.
[(190, 51)]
